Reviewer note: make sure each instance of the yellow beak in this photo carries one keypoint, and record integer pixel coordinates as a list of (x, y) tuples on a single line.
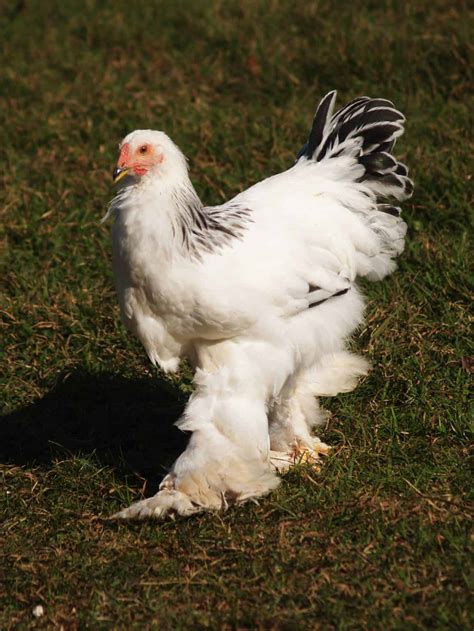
[(119, 173)]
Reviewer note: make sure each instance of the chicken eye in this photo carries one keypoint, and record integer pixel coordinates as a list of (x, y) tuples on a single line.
[(143, 149)]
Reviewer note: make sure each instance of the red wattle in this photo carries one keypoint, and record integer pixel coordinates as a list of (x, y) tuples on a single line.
[(138, 170)]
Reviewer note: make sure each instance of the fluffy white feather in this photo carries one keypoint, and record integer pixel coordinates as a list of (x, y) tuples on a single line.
[(259, 294)]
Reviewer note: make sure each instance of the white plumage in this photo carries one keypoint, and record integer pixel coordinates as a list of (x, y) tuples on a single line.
[(259, 294)]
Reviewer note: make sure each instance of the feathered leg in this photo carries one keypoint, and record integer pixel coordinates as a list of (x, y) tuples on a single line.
[(227, 458), (296, 411)]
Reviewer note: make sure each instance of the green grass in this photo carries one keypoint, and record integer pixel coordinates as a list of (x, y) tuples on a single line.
[(379, 538)]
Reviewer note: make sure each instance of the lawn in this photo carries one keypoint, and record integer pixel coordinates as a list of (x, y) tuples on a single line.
[(378, 538)]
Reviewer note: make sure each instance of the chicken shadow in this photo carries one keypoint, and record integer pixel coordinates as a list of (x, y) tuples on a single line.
[(126, 423)]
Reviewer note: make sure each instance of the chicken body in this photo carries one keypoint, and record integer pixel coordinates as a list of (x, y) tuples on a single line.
[(259, 294)]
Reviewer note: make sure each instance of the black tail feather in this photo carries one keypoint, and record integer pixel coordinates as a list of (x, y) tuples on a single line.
[(316, 135), (366, 129), (380, 162), (401, 169), (323, 112), (395, 211)]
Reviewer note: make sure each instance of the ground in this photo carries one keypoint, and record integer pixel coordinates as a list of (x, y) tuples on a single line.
[(378, 538)]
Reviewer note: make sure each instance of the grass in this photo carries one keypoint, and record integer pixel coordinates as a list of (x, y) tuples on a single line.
[(379, 538)]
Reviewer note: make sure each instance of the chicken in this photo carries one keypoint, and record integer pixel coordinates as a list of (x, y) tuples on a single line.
[(258, 294)]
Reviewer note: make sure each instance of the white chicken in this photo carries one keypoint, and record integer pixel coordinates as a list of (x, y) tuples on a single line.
[(259, 294)]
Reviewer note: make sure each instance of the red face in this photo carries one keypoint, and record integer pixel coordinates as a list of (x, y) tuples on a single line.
[(137, 161)]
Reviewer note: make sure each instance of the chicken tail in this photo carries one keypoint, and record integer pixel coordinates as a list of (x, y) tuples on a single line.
[(365, 129)]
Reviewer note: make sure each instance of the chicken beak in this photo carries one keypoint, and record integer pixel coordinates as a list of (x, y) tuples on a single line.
[(119, 173)]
